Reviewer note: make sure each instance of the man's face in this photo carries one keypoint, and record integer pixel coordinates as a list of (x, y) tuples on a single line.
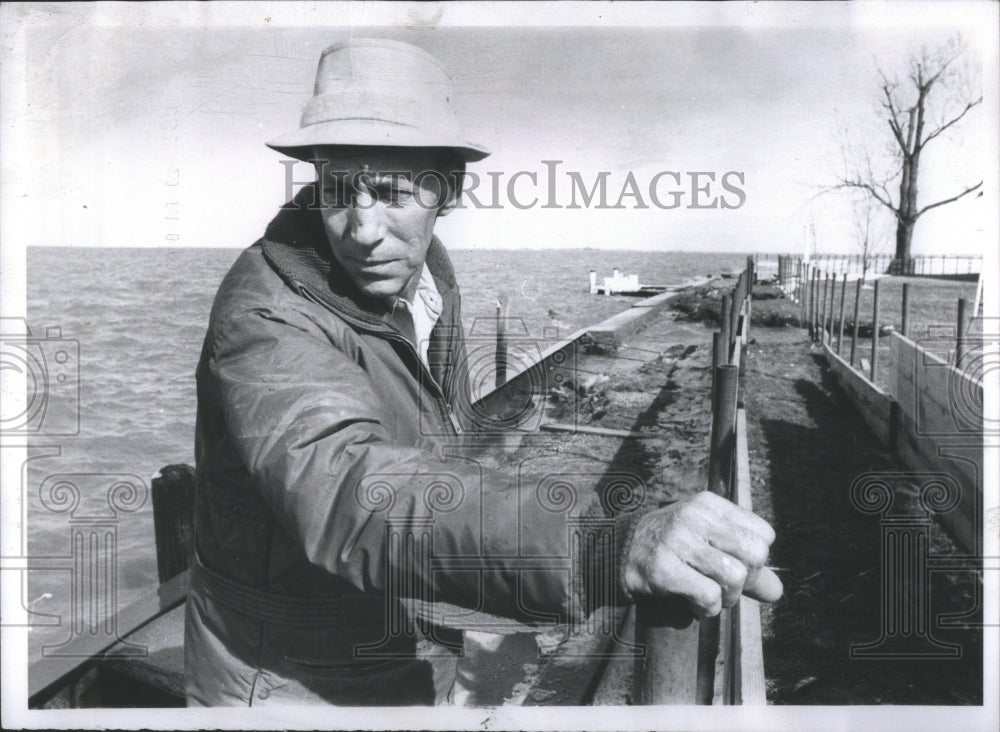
[(379, 209)]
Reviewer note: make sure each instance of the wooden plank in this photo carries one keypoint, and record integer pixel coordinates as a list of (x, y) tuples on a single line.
[(872, 403), (572, 674), (939, 371), (162, 670), (535, 378), (615, 685), (722, 689), (921, 454), (47, 676), (750, 686), (561, 356), (600, 431), (612, 332), (743, 485), (926, 387)]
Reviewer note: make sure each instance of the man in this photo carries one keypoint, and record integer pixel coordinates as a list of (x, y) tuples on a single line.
[(332, 397)]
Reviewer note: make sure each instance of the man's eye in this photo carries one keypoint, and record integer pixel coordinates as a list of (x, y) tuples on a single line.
[(336, 195), (400, 195)]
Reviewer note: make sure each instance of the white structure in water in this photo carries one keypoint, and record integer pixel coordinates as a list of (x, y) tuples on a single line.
[(617, 282)]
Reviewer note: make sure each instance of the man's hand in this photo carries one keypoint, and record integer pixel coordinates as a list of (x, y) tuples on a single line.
[(703, 548)]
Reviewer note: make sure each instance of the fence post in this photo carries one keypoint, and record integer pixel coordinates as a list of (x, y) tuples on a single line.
[(822, 309), (828, 325), (840, 327), (813, 280), (501, 356), (800, 286), (905, 326), (820, 303), (720, 458), (718, 352), (725, 323), (875, 334), (173, 519), (857, 303), (739, 294), (960, 341)]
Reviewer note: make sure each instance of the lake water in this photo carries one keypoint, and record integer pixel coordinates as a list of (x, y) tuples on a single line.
[(138, 317)]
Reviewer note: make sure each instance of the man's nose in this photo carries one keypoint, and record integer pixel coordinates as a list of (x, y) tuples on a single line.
[(367, 220)]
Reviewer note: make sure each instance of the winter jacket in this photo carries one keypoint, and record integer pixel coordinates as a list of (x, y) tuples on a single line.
[(338, 524)]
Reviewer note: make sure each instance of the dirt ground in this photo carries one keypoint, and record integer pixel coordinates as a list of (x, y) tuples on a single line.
[(807, 445)]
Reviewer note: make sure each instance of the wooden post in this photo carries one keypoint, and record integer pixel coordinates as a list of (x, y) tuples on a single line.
[(812, 303), (828, 324), (501, 355), (828, 309), (962, 327), (173, 519), (822, 308), (800, 268), (840, 327), (857, 302), (725, 322), (734, 313), (816, 293), (905, 326), (718, 351), (875, 334)]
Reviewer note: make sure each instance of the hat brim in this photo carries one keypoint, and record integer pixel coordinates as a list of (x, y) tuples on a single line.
[(301, 143)]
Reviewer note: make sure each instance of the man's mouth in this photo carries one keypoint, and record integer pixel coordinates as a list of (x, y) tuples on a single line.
[(373, 265)]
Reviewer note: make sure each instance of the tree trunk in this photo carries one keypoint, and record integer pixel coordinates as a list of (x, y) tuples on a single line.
[(904, 237)]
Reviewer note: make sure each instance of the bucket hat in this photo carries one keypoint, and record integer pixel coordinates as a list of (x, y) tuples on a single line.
[(373, 91)]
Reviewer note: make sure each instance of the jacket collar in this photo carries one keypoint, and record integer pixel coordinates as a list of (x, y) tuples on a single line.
[(296, 247)]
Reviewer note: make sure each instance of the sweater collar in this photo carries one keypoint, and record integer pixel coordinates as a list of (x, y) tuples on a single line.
[(296, 247)]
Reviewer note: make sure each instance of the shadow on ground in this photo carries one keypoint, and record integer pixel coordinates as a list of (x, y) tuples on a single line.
[(829, 553)]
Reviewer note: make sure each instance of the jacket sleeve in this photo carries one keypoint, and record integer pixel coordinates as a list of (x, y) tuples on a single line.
[(308, 425)]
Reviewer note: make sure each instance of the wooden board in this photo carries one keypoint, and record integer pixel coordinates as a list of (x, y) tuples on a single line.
[(750, 686), (872, 403), (600, 431), (572, 674), (47, 676), (942, 399)]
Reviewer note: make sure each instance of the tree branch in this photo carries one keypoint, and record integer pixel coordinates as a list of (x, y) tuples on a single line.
[(953, 120), (966, 192), (890, 107), (862, 185)]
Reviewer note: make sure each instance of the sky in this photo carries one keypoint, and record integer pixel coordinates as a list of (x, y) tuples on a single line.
[(139, 126)]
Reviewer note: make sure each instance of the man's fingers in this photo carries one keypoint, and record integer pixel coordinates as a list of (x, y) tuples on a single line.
[(736, 516), (727, 571), (746, 546), (763, 584), (677, 578)]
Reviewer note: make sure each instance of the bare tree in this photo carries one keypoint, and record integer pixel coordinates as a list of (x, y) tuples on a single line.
[(935, 96)]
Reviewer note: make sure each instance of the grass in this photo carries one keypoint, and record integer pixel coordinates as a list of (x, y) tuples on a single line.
[(933, 305)]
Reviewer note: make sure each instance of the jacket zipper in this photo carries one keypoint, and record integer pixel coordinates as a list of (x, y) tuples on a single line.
[(446, 413)]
